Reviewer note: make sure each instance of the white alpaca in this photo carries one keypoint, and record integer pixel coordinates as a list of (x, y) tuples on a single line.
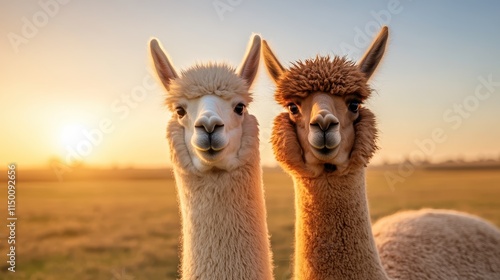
[(214, 148), (451, 245), (325, 142)]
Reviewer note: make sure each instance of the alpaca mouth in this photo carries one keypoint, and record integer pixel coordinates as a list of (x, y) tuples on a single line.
[(324, 146), (210, 148), (324, 143), (210, 154), (325, 154), (209, 144), (324, 151)]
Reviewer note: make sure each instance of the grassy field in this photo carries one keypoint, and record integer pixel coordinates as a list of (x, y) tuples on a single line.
[(130, 229)]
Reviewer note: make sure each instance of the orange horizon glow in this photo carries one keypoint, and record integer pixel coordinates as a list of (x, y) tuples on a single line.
[(83, 90)]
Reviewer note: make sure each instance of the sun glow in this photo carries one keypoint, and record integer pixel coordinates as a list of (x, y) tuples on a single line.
[(71, 134)]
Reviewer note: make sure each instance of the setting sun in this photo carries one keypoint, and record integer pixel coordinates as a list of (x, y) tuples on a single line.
[(71, 134)]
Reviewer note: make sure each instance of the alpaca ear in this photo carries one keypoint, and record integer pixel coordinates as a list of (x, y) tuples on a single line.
[(164, 68), (374, 54), (274, 67), (250, 64)]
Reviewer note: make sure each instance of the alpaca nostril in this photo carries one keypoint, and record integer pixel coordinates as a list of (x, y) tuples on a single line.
[(324, 120), (209, 123), (320, 125), (324, 126), (209, 128), (217, 126)]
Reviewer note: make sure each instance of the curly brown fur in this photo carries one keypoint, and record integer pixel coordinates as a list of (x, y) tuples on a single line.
[(337, 76), (365, 140)]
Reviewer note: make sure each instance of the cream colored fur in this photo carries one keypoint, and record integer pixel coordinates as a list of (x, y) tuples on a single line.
[(211, 78), (224, 230), (438, 244)]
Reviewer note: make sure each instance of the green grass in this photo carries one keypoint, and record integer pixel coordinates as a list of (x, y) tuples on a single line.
[(130, 229)]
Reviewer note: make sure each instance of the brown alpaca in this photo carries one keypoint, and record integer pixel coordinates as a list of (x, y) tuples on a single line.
[(325, 142)]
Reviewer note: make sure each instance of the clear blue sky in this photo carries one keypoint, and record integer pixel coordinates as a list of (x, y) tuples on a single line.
[(86, 55)]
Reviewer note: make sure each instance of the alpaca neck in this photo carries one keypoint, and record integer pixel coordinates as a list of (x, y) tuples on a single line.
[(224, 230), (333, 231)]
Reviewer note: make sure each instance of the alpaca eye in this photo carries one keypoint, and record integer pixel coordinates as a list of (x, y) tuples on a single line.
[(353, 106), (180, 112), (239, 109), (293, 108)]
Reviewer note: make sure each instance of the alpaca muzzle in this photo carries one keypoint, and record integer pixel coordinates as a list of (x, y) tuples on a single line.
[(210, 142)]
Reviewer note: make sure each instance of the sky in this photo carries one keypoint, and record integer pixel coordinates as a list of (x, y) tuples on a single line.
[(76, 71)]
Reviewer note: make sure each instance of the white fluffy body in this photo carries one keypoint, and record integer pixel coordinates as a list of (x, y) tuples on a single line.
[(438, 244)]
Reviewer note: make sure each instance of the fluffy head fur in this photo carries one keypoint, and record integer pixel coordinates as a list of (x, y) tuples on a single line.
[(323, 96), (337, 76), (210, 102), (212, 78)]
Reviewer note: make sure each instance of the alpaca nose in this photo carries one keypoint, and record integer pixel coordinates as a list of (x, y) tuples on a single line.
[(209, 123), (325, 120)]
